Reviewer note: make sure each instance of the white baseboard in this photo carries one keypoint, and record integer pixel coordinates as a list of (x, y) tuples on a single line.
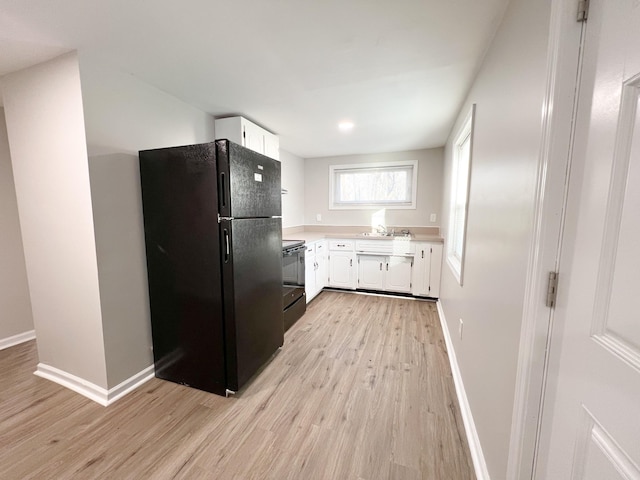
[(17, 339), (98, 394), (479, 463)]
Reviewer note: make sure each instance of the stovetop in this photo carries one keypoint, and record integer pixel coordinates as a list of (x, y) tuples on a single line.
[(291, 243)]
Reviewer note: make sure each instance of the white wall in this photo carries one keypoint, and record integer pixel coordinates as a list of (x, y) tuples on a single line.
[(429, 195), (45, 124), (508, 92), (15, 305), (124, 115), (293, 182)]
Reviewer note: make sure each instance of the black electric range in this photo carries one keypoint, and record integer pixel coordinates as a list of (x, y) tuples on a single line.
[(294, 299)]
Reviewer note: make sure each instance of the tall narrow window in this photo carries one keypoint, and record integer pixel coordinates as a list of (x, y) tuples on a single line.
[(459, 200)]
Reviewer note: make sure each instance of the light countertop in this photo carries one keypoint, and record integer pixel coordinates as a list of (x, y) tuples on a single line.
[(315, 236)]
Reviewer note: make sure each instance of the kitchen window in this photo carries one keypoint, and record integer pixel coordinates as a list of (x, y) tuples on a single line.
[(459, 200), (372, 185)]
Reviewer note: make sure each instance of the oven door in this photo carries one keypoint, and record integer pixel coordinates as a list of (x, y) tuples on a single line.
[(293, 277), (293, 266)]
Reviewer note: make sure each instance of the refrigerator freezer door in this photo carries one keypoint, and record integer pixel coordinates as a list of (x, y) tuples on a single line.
[(249, 183), (252, 275), (183, 263)]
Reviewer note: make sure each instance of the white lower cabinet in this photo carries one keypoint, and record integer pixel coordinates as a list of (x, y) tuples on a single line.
[(310, 286), (315, 273), (427, 270), (385, 273), (371, 272), (398, 274), (385, 265), (341, 270), (321, 266), (342, 264)]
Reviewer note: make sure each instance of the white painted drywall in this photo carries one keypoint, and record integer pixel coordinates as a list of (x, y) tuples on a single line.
[(124, 115), (430, 172), (508, 92), (15, 305), (117, 215), (45, 125), (293, 182)]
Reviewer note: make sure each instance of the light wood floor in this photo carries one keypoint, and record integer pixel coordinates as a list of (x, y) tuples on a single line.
[(361, 390)]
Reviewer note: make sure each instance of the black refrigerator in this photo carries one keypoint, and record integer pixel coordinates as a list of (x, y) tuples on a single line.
[(213, 236)]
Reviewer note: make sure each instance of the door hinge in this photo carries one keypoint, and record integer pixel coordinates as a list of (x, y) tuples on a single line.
[(583, 10), (552, 289)]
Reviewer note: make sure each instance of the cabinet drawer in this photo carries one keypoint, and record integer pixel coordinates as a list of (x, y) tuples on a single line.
[(310, 249), (342, 245)]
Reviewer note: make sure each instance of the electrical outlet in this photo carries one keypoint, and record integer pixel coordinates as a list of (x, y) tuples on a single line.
[(460, 326), (433, 217), (318, 217)]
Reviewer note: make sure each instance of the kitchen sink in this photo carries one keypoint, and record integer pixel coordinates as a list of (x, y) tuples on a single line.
[(386, 235)]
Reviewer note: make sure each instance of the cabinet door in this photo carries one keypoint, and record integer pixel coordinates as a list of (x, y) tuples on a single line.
[(309, 274), (271, 145), (435, 268), (341, 270), (229, 128), (253, 137), (371, 270), (420, 272), (398, 274), (321, 265)]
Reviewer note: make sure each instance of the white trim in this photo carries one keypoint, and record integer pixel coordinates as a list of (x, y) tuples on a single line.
[(479, 463), (375, 206), (466, 132), (98, 394), (563, 64), (17, 339)]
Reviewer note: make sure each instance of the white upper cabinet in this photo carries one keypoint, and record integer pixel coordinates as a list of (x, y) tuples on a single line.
[(243, 132)]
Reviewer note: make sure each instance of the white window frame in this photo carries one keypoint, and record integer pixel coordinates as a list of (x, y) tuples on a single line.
[(333, 169), (460, 183)]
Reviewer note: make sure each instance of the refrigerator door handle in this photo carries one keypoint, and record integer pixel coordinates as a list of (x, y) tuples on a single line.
[(223, 189), (225, 232)]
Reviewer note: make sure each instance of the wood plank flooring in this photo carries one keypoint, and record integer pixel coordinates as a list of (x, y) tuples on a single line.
[(361, 390)]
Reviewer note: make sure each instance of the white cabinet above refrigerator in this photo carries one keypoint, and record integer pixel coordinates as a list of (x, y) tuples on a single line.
[(243, 132)]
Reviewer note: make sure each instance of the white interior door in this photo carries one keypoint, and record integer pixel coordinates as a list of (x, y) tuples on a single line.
[(591, 416)]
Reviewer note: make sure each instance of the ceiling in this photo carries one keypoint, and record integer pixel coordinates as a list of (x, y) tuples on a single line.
[(399, 70)]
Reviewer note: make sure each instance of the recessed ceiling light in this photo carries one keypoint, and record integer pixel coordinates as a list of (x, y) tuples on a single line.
[(345, 126)]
